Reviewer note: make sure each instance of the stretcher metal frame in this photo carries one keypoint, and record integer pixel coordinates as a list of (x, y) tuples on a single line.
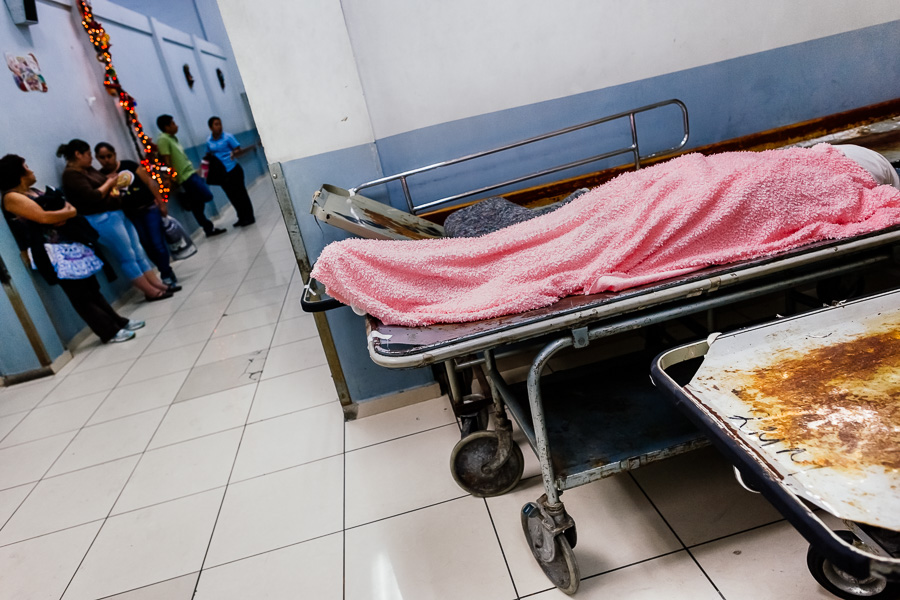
[(866, 565), (548, 528), (488, 463)]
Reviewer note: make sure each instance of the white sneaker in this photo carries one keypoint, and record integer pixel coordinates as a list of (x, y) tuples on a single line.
[(123, 335), (134, 325)]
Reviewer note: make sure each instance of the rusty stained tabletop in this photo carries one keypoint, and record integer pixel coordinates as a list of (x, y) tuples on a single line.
[(818, 398)]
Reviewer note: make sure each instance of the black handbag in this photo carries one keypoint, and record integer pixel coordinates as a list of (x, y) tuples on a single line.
[(217, 172)]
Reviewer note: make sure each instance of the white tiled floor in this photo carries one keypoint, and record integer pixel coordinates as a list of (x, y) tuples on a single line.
[(208, 459)]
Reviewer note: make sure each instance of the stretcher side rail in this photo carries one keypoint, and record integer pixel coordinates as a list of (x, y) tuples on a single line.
[(633, 149)]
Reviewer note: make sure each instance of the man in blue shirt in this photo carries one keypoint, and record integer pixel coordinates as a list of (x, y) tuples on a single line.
[(225, 147)]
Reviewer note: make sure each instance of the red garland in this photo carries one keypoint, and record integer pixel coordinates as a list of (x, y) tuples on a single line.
[(100, 40)]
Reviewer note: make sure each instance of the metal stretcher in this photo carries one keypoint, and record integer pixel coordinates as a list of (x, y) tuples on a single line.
[(589, 423), (808, 410)]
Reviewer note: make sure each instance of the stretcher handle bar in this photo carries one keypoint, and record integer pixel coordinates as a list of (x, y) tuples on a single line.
[(633, 148), (322, 304)]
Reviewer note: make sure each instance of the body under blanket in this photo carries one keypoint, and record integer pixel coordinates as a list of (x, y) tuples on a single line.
[(663, 221)]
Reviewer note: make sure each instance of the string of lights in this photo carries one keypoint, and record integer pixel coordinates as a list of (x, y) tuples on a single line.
[(143, 142)]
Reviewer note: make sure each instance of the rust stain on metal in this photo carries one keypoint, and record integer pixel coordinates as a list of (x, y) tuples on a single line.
[(834, 406)]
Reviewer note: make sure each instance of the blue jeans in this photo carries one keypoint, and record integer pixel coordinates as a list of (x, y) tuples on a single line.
[(195, 195), (120, 238), (150, 230)]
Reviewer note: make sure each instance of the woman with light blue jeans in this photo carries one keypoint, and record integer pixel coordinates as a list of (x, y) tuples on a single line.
[(95, 196)]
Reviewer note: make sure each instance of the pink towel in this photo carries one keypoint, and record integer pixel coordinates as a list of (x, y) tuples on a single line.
[(643, 226)]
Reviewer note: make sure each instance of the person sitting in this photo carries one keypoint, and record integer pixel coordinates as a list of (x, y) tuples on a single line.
[(61, 247), (143, 205), (96, 197), (225, 148)]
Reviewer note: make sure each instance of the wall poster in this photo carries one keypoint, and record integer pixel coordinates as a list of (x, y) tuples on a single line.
[(26, 72)]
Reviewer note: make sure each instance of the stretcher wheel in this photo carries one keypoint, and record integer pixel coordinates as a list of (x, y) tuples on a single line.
[(470, 423), (846, 586), (558, 563), (472, 453)]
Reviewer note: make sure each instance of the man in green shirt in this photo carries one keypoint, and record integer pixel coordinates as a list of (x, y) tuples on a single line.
[(194, 192)]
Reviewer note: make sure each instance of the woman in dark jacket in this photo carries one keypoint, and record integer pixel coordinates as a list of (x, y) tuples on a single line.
[(96, 197), (38, 222)]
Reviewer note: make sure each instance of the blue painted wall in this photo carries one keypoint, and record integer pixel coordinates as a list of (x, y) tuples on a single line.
[(77, 106)]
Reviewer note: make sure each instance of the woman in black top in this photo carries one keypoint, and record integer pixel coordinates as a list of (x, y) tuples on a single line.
[(37, 222), (143, 205), (96, 197)]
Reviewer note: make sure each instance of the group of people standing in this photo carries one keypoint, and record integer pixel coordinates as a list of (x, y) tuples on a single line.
[(118, 210)]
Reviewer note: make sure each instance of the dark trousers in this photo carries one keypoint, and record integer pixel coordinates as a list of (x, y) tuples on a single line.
[(89, 303), (234, 188), (194, 197), (151, 232)]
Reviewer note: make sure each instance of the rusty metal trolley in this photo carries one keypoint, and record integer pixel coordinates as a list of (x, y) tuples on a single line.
[(808, 410)]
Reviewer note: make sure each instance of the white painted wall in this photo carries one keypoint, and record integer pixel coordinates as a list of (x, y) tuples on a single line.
[(424, 63), (324, 75), (300, 75)]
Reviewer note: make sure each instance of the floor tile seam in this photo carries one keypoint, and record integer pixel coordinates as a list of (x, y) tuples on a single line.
[(8, 433), (238, 312), (293, 412), (741, 532), (237, 452), (152, 338), (608, 571), (45, 534), (138, 461), (19, 505), (79, 430), (135, 509), (303, 339), (113, 505), (306, 368), (149, 585), (41, 405), (401, 437), (657, 509), (57, 475), (705, 574), (406, 512), (285, 285), (500, 546), (264, 552), (192, 439), (283, 469), (220, 320), (214, 336), (47, 437)]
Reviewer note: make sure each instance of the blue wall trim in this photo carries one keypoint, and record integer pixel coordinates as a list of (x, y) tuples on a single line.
[(365, 379)]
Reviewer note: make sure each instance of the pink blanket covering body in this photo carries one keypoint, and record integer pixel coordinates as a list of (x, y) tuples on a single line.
[(644, 226)]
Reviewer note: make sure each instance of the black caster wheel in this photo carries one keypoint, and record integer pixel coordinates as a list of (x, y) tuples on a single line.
[(558, 562), (471, 454), (844, 585), (478, 421)]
